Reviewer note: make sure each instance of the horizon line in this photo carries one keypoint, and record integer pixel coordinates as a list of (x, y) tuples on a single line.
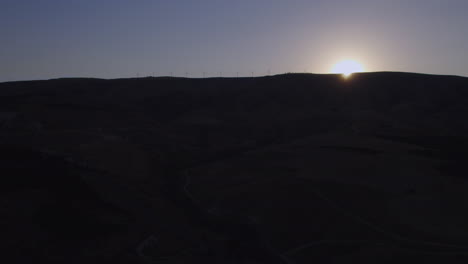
[(233, 77)]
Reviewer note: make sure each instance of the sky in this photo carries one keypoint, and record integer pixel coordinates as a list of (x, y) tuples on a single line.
[(44, 39)]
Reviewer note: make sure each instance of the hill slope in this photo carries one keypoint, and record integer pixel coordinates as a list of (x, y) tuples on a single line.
[(205, 170)]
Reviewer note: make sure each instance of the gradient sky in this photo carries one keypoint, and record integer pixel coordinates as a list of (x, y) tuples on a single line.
[(42, 39)]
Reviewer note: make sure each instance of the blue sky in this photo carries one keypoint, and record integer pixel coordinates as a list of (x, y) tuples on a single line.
[(44, 39)]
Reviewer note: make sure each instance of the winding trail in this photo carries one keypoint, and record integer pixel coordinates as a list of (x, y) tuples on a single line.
[(243, 235)]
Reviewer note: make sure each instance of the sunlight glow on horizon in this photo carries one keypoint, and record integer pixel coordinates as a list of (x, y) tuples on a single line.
[(347, 68)]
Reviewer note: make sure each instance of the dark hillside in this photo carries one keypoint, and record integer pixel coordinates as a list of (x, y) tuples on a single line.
[(294, 168)]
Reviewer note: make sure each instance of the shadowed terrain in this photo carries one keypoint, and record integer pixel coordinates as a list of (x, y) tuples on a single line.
[(294, 168)]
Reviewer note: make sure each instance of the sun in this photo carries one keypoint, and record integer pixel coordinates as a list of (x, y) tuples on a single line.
[(347, 67)]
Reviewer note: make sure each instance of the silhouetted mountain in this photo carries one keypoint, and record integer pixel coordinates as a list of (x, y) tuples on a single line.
[(294, 168)]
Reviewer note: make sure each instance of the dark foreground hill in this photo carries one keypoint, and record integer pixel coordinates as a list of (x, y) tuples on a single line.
[(295, 168)]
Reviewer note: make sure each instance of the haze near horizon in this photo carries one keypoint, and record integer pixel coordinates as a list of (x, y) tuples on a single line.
[(112, 39)]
